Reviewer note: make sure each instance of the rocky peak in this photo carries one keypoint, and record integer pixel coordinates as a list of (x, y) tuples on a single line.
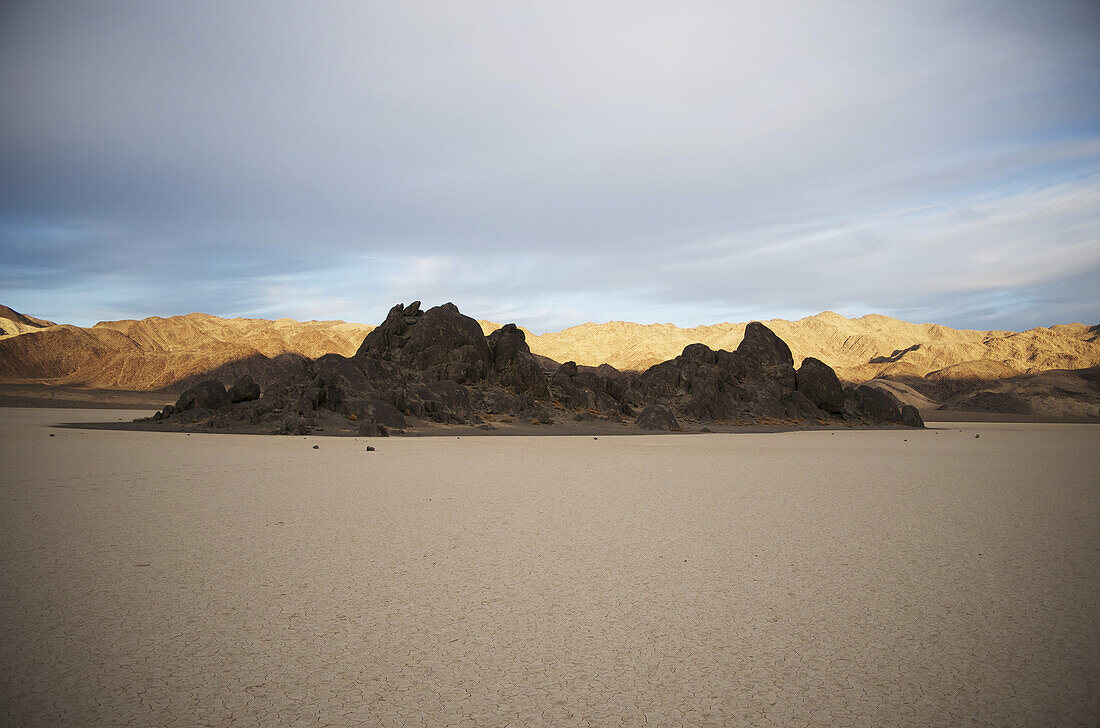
[(762, 344), (440, 343)]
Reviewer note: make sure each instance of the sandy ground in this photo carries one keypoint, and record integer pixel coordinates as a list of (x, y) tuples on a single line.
[(851, 578)]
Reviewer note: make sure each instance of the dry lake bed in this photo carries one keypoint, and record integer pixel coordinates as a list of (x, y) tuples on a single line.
[(852, 578)]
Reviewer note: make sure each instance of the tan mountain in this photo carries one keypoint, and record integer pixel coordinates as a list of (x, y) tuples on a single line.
[(158, 353), (13, 323)]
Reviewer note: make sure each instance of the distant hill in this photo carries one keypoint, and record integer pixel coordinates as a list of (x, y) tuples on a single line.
[(927, 364), (13, 323), (159, 353)]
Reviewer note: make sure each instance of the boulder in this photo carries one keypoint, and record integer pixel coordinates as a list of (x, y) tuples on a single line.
[(657, 417), (506, 344), (910, 416), (622, 386), (244, 389), (819, 383), (699, 354), (771, 354), (878, 406), (661, 380), (207, 394)]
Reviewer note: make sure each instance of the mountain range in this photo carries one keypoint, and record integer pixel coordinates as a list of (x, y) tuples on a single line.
[(928, 365), (858, 349)]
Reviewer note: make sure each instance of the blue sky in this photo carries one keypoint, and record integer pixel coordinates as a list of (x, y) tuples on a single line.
[(552, 163)]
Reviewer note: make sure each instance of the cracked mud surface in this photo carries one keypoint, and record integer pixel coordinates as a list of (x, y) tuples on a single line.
[(811, 578)]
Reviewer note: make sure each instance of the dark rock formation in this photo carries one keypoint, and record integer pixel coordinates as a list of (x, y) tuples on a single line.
[(798, 406), (771, 352), (439, 401), (391, 335), (498, 402), (819, 383), (207, 394), (514, 365), (910, 416), (439, 343), (374, 411), (721, 386), (572, 395), (657, 417), (873, 405), (603, 391), (244, 390), (436, 366)]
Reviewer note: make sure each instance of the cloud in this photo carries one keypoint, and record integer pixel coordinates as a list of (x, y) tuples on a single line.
[(696, 161)]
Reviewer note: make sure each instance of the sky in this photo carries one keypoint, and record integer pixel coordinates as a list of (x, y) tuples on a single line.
[(552, 163)]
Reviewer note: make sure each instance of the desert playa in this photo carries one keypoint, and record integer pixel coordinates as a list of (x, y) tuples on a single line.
[(852, 578)]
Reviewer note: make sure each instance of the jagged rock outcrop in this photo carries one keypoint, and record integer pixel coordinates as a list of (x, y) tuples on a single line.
[(755, 382), (437, 366), (595, 390), (436, 344), (514, 366)]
